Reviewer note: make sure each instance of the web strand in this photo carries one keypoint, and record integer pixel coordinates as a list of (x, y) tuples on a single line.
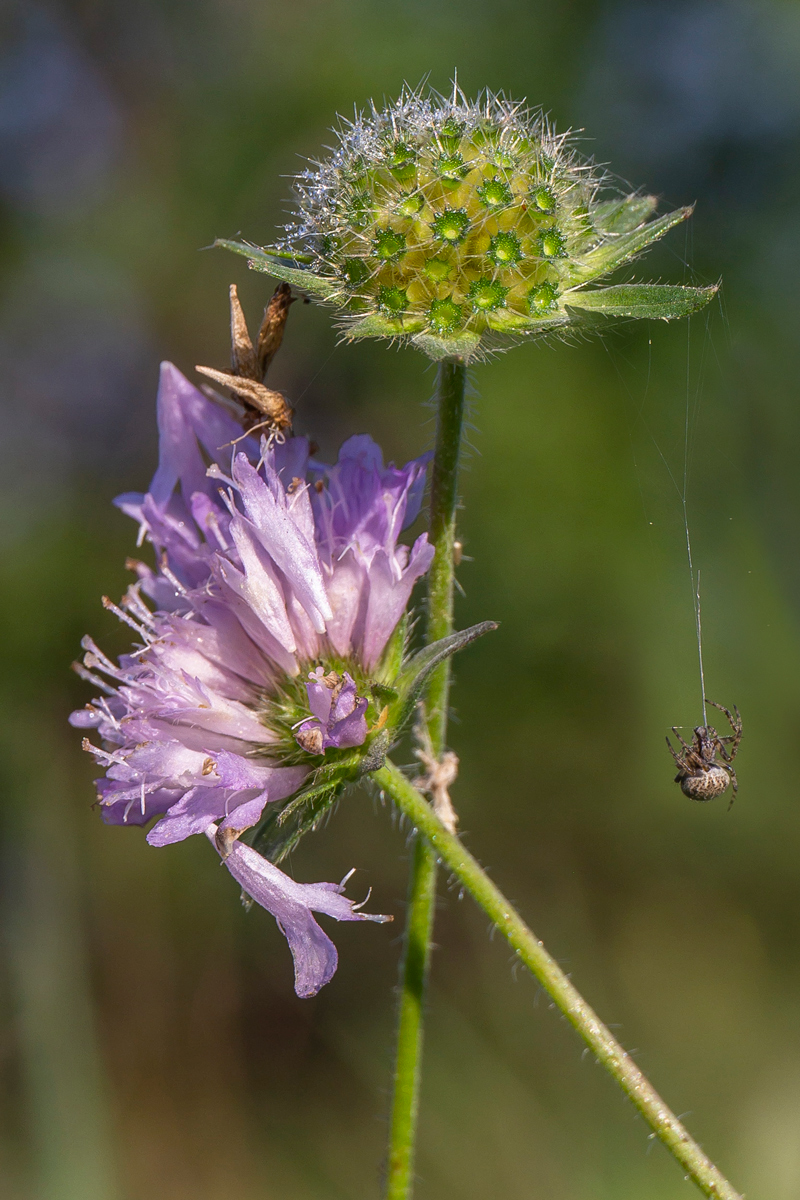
[(694, 580)]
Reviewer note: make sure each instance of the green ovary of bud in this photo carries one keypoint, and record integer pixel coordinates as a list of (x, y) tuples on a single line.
[(389, 244), (495, 193), (503, 158), (445, 315), (543, 299), (544, 200), (552, 243), (355, 271), (392, 300), (451, 168), (505, 249), (437, 269), (359, 210), (451, 225), (486, 295), (410, 205), (400, 155), (451, 133)]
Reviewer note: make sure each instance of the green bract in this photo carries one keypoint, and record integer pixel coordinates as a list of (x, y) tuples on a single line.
[(449, 223)]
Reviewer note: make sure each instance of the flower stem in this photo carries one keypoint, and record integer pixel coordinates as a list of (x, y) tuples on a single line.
[(422, 884), (451, 851), (442, 531)]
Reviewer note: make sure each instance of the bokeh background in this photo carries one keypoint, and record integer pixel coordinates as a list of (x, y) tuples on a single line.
[(151, 1046)]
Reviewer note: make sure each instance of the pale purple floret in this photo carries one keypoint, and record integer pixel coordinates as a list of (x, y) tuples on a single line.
[(339, 721), (292, 904), (266, 563)]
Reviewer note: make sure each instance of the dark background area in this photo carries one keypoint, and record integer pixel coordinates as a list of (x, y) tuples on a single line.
[(151, 1047)]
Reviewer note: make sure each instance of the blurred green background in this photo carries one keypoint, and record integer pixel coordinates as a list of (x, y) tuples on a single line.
[(151, 1047)]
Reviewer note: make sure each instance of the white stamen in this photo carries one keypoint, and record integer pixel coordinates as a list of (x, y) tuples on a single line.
[(90, 677), (356, 907), (127, 620), (134, 602), (213, 521), (216, 472), (103, 755), (168, 575)]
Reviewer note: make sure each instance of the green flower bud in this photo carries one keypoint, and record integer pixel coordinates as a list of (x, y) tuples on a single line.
[(459, 225), (495, 193), (393, 301), (445, 316), (486, 295), (451, 226), (504, 249)]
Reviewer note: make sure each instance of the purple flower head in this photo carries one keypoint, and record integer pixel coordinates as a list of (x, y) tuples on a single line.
[(270, 571)]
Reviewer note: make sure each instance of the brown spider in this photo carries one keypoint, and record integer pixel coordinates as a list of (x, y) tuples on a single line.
[(700, 775)]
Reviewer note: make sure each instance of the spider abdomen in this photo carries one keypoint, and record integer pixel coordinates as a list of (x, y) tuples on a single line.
[(706, 784)]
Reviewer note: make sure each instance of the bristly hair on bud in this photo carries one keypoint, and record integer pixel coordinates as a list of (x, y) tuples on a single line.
[(462, 225)]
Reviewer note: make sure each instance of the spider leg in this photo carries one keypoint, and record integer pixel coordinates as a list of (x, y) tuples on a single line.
[(681, 762), (722, 709), (735, 783), (685, 745), (735, 724)]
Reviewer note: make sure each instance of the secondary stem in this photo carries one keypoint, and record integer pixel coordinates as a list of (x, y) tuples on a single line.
[(451, 851), (422, 884)]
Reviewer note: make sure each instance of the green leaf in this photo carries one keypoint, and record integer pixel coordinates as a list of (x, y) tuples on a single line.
[(378, 326), (623, 216), (620, 249), (509, 322), (463, 345), (411, 679), (282, 268), (392, 657), (652, 300)]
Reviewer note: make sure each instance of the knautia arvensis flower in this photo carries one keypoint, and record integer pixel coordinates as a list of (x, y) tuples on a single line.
[(271, 665), (458, 225)]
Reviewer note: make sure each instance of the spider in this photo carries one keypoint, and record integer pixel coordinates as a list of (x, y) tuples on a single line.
[(700, 775)]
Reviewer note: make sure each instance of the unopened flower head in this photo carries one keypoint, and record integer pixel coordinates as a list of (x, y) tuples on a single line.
[(270, 668), (457, 224)]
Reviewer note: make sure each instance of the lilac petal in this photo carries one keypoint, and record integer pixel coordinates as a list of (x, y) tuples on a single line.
[(283, 541), (224, 641), (350, 731), (240, 773), (346, 700), (320, 698), (186, 417), (233, 588), (244, 816), (348, 592), (179, 457), (389, 596), (259, 586), (314, 954), (212, 519), (190, 814), (86, 718), (127, 812), (289, 459)]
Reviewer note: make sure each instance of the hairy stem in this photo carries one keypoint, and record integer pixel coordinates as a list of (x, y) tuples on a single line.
[(422, 884), (451, 851)]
